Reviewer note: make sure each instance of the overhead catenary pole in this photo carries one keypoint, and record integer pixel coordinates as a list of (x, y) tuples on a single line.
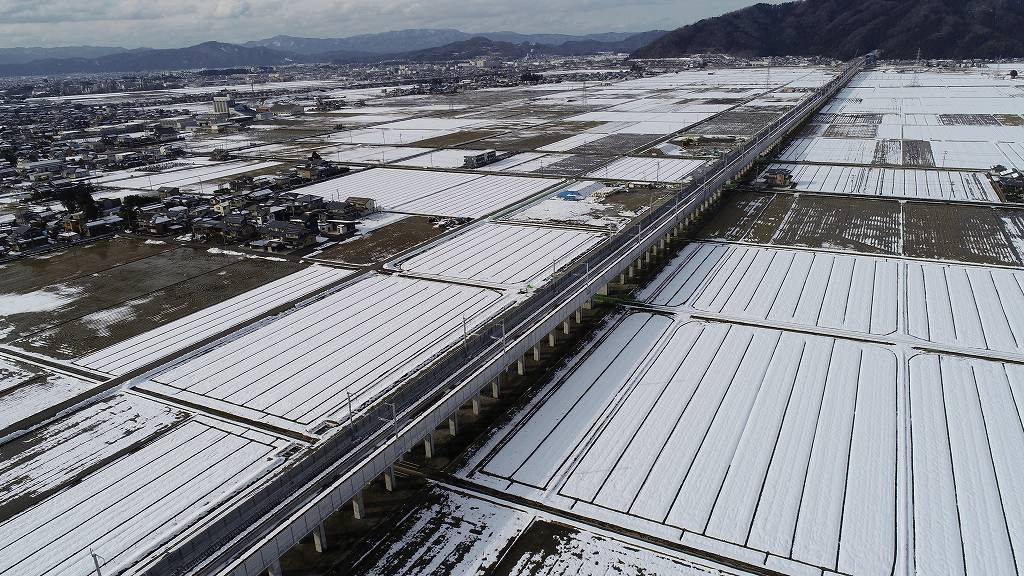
[(95, 561), (351, 415)]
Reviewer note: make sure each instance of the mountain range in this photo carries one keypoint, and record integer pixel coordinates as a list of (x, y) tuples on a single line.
[(832, 28), (23, 55), (406, 45), (417, 39), (848, 28)]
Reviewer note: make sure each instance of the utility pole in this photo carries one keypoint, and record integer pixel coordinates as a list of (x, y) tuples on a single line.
[(351, 415), (95, 562), (917, 69)]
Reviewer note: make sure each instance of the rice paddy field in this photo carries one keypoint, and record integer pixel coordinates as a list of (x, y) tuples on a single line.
[(822, 379)]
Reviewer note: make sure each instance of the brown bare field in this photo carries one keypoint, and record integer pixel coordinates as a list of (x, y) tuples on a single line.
[(28, 274), (386, 242), (870, 226), (962, 233), (96, 330), (453, 140), (520, 140), (735, 217)]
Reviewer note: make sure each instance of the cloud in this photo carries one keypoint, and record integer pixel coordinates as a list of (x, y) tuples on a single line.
[(231, 9), (172, 23)]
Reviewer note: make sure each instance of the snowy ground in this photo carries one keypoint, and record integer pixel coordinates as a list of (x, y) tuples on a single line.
[(750, 441), (369, 154), (441, 158), (299, 369), (905, 183), (26, 389), (187, 178), (432, 193), (124, 475), (958, 306), (648, 169), (172, 337), (506, 254), (461, 535), (120, 478), (525, 163)]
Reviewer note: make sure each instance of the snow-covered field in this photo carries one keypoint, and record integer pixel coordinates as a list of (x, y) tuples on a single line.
[(678, 119), (172, 337), (441, 158), (571, 142), (967, 487), (508, 254), (385, 136), (648, 169), (299, 368), (119, 478), (365, 154), (430, 192), (525, 162), (777, 447), (187, 178), (830, 150), (906, 183), (26, 389), (589, 211), (853, 293), (961, 306)]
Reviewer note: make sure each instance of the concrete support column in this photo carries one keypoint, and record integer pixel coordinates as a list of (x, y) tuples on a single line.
[(389, 479), (453, 423), (603, 290), (551, 340), (588, 305), (579, 315), (495, 388), (622, 278), (536, 353), (429, 446), (358, 508), (275, 568), (521, 366), (320, 538), (566, 328), (475, 402), (632, 271)]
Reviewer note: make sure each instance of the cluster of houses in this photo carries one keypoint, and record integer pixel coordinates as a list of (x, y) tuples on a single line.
[(261, 219), (28, 230)]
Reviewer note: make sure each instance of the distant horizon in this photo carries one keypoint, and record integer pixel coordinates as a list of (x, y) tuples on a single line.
[(133, 24), (241, 42)]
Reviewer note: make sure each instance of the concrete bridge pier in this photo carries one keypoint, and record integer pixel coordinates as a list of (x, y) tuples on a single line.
[(320, 538), (453, 424), (358, 507), (429, 445)]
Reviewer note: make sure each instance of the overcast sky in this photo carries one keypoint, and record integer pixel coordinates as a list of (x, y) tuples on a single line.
[(175, 23)]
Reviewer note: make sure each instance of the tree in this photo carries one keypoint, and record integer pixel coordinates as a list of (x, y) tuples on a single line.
[(78, 198)]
